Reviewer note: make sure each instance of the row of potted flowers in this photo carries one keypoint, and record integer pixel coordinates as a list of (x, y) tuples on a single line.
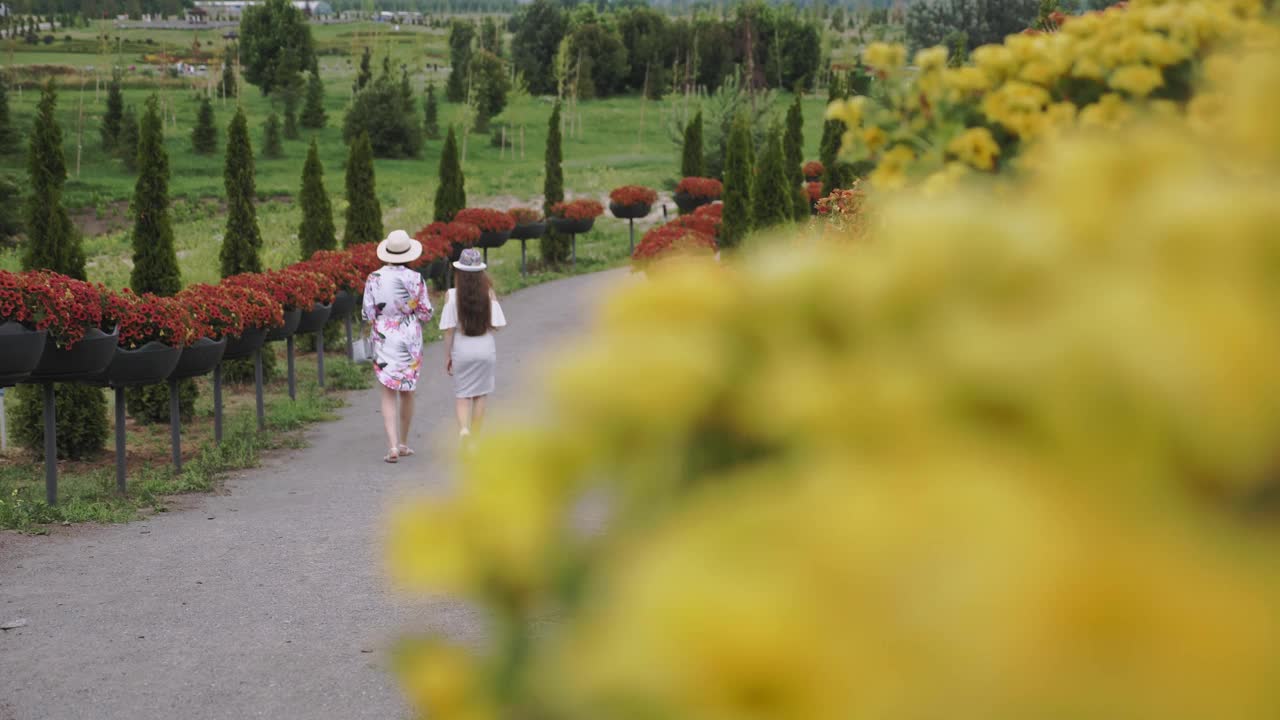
[(695, 233)]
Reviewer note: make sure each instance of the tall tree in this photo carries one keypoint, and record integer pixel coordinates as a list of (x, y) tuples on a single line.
[(381, 111), (155, 263), (829, 149), (739, 185), (271, 145), (793, 154), (555, 247), (364, 212), (242, 239), (366, 72), (451, 195), (461, 33), (111, 118), (275, 44), (8, 134), (313, 114), (229, 85), (431, 112), (290, 113), (490, 36), (127, 142), (316, 231), (543, 25), (774, 197), (53, 244), (491, 83), (204, 136), (692, 162)]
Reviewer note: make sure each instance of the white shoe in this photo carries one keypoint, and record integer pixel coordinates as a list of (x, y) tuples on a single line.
[(464, 432)]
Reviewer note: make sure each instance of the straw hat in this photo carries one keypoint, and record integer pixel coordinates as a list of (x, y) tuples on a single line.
[(470, 261), (399, 248)]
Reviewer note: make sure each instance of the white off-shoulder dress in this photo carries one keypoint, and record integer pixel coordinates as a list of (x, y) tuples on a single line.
[(475, 357)]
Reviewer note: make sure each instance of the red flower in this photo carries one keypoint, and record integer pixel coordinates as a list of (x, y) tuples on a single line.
[(633, 195), (341, 267), (148, 318), (365, 257), (701, 187), (815, 191), (671, 239), (707, 224), (525, 216), (486, 219), (712, 210), (293, 288), (439, 238), (581, 209), (48, 301), (813, 168)]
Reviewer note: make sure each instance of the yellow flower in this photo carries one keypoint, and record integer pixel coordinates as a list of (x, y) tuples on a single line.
[(1137, 80), (931, 59), (1109, 112), (976, 147), (944, 180), (443, 681), (426, 549), (891, 173), (848, 111), (965, 79), (885, 57), (874, 138), (996, 61)]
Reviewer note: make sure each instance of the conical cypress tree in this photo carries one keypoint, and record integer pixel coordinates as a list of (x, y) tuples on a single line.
[(313, 115), (793, 154), (8, 134), (291, 114), (738, 185), (364, 212), (692, 162), (53, 244), (431, 126), (316, 231), (271, 145), (774, 199), (555, 247), (111, 119), (127, 142), (155, 263), (366, 73), (228, 79), (241, 241), (829, 150), (204, 136), (451, 195)]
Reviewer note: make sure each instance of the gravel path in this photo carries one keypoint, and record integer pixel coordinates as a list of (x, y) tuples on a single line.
[(268, 601)]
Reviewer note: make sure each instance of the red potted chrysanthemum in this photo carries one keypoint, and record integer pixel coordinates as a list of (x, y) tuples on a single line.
[(813, 171), (77, 347), (631, 202), (495, 225), (668, 241), (575, 217), (344, 270), (530, 224), (21, 342), (152, 332), (694, 192)]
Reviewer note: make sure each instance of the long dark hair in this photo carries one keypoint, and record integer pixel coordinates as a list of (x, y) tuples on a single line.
[(474, 309)]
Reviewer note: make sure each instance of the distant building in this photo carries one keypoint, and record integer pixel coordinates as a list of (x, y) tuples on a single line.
[(197, 15), (233, 9)]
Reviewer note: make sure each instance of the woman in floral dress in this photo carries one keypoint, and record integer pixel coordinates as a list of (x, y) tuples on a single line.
[(395, 305)]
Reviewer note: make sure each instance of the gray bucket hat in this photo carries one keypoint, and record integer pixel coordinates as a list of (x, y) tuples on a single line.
[(470, 261)]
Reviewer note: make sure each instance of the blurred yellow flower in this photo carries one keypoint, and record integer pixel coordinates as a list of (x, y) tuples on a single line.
[(1137, 80), (931, 59), (885, 57), (975, 147), (891, 173), (874, 138)]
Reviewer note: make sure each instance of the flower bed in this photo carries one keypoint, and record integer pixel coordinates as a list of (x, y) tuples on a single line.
[(217, 311), (44, 300), (149, 318), (698, 187), (294, 289), (670, 240), (525, 216), (633, 195), (339, 266), (488, 220), (705, 224), (580, 210), (439, 238)]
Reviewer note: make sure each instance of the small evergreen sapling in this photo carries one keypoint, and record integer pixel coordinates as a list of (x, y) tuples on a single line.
[(451, 195), (364, 212)]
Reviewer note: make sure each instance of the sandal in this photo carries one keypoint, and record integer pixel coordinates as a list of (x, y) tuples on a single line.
[(392, 456), (405, 451)]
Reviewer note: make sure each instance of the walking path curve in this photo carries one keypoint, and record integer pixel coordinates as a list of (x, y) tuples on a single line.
[(270, 600)]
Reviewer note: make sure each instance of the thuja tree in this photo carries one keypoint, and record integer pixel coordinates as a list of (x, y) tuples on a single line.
[(829, 150), (54, 244), (242, 240), (155, 263), (127, 143), (228, 77), (316, 231), (290, 95), (451, 195), (364, 212), (774, 199), (739, 185), (793, 155), (112, 116), (204, 136), (555, 247), (313, 115), (8, 134), (431, 114), (272, 147), (366, 72), (692, 161), (461, 33)]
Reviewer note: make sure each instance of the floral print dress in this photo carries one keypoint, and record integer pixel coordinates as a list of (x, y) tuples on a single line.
[(395, 305)]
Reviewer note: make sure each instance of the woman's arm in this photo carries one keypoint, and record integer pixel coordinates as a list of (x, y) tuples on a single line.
[(448, 351)]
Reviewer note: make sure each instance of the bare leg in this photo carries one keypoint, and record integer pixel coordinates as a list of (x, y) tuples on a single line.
[(462, 406), (406, 415), (389, 416), (477, 411)]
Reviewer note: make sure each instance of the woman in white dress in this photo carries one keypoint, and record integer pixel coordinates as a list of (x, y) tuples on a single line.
[(471, 314)]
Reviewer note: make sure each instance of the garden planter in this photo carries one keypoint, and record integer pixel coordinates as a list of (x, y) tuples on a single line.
[(343, 303), (635, 211), (492, 239), (20, 351), (199, 358), (812, 178), (455, 251), (572, 227), (87, 359), (290, 326), (314, 319), (532, 231), (247, 344), (151, 363), (688, 203)]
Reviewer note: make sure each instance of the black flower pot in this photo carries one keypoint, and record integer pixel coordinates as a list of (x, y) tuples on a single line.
[(249, 342), (455, 251), (290, 326), (634, 211), (20, 351), (343, 303), (314, 319), (688, 203), (86, 359), (435, 270), (812, 178), (492, 239), (532, 231), (572, 227), (151, 363), (199, 358)]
